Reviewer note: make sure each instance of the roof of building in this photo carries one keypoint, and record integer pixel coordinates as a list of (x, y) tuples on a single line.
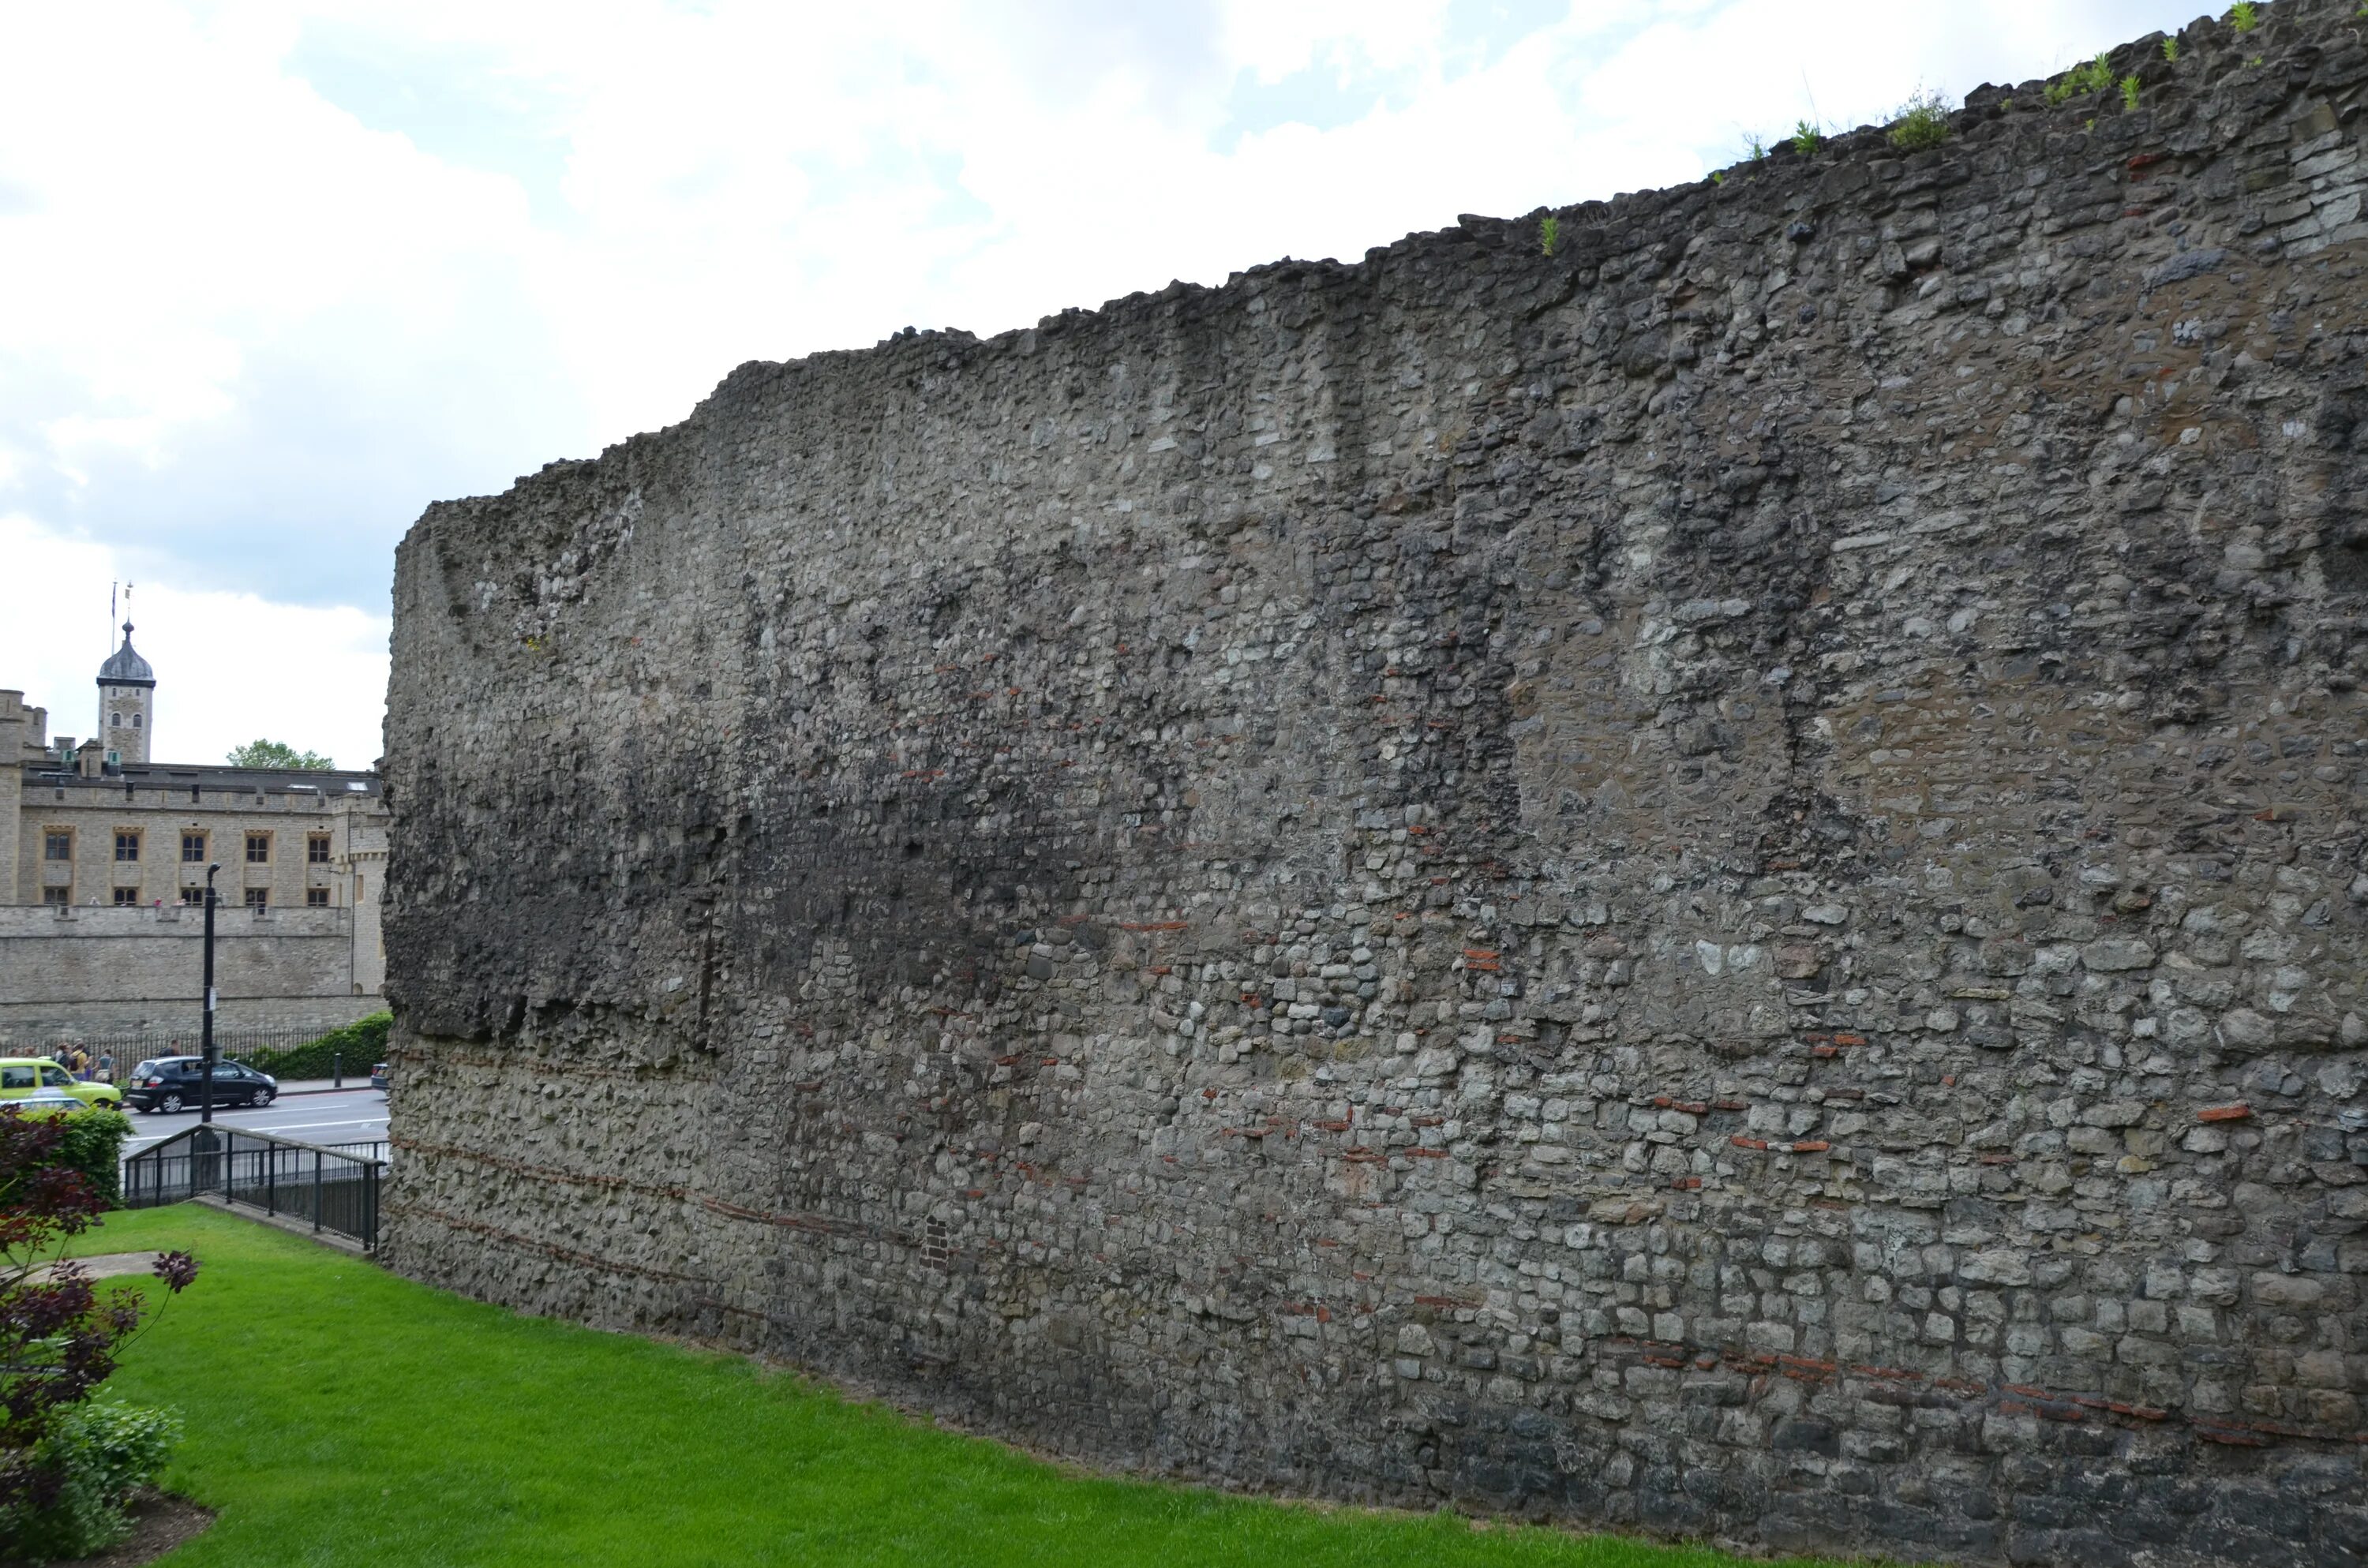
[(125, 667), (214, 777)]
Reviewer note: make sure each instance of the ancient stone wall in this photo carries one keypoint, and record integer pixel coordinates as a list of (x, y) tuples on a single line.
[(1713, 883), (97, 973)]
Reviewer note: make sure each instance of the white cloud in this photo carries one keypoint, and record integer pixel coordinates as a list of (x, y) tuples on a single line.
[(297, 269)]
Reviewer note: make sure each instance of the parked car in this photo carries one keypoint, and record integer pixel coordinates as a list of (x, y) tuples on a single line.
[(45, 1101), (21, 1075), (377, 1076), (173, 1084)]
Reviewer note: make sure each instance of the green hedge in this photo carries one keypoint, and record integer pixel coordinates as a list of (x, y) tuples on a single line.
[(94, 1145), (358, 1047)]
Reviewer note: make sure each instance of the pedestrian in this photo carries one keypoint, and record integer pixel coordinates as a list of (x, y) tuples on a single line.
[(106, 1074)]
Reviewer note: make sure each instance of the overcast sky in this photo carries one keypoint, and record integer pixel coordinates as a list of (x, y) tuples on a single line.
[(274, 277)]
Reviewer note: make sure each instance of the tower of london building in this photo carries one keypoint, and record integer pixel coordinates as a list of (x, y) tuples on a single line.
[(103, 858)]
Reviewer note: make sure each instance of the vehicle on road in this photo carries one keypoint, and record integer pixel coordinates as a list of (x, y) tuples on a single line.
[(44, 1101), (377, 1076), (173, 1084), (21, 1076)]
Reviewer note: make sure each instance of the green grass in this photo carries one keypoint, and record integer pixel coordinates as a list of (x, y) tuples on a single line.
[(340, 1416)]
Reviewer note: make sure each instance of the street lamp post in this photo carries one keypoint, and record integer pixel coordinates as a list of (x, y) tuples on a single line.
[(206, 1036)]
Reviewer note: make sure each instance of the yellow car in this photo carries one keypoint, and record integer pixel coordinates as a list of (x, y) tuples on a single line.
[(21, 1076)]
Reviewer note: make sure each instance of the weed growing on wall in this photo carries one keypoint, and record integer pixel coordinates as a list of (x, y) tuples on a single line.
[(2088, 76), (1549, 228), (1807, 139), (2171, 49), (2244, 16), (2129, 93), (1923, 121)]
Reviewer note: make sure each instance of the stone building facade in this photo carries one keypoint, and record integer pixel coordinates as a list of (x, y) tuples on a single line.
[(103, 852), (1714, 881)]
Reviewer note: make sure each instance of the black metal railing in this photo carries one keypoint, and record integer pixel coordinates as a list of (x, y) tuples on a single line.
[(334, 1187), (128, 1050)]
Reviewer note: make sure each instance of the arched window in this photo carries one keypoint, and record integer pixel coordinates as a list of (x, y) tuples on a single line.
[(135, 721), (114, 720)]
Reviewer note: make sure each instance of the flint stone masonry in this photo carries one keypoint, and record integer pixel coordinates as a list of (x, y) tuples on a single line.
[(1711, 883)]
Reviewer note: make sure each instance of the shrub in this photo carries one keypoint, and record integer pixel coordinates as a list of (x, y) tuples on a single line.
[(93, 1144), (100, 1455), (59, 1339), (1549, 228), (1923, 122), (1806, 138), (2244, 16), (362, 1043)]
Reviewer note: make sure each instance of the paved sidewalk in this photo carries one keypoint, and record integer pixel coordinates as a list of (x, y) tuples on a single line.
[(107, 1264), (324, 1085)]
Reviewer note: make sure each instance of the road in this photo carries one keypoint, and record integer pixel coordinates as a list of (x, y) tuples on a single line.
[(351, 1116)]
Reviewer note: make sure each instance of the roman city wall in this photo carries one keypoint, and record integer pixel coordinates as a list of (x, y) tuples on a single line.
[(1713, 883)]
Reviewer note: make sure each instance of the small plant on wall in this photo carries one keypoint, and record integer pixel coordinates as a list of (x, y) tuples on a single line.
[(2088, 76), (1923, 121)]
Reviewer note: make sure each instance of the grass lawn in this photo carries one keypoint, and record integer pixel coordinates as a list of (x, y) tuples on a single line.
[(338, 1414)]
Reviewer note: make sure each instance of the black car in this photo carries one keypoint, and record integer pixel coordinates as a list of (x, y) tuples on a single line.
[(176, 1083)]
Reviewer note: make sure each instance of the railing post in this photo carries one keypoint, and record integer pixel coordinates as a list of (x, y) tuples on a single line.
[(271, 1180), (317, 1190)]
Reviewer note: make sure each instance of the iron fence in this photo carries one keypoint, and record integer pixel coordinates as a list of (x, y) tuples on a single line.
[(127, 1051), (334, 1186)]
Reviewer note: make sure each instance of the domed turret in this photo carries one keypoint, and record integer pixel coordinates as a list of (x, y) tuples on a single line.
[(126, 668), (126, 703)]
